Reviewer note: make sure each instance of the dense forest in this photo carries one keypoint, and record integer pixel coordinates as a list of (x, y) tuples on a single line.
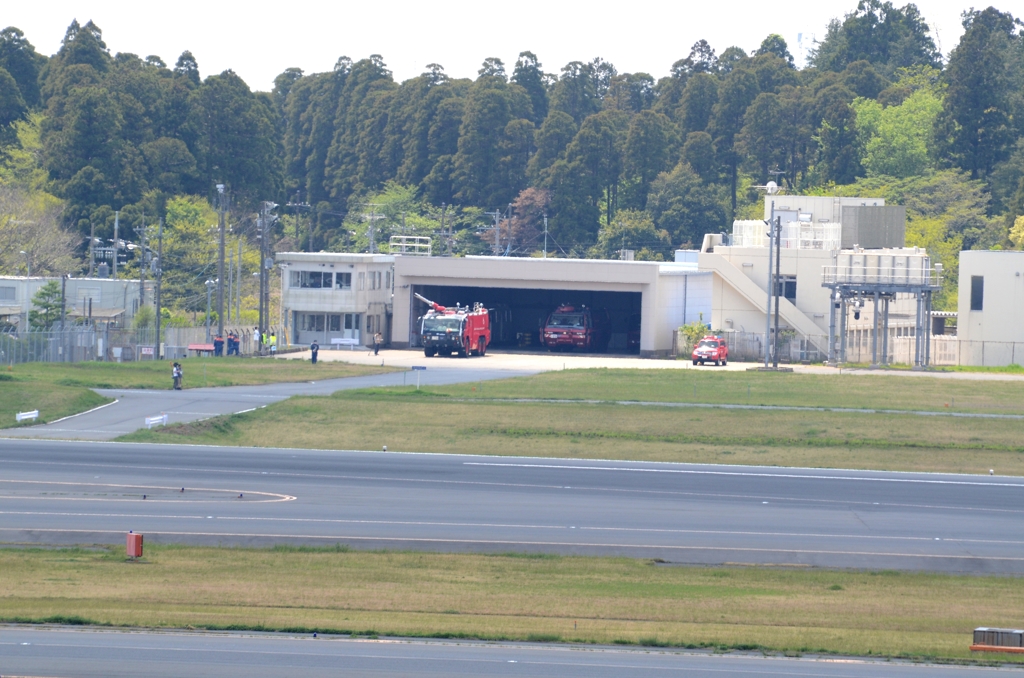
[(606, 160)]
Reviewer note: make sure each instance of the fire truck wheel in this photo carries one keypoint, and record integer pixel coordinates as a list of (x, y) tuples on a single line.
[(482, 347), (430, 352)]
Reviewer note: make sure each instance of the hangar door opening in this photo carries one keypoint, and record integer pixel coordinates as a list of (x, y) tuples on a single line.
[(517, 314)]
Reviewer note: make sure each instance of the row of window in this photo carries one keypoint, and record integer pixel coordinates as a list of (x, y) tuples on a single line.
[(315, 322), (340, 281), (335, 322)]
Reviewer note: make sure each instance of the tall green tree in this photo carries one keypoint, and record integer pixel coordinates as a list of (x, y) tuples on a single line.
[(528, 75), (736, 93), (976, 127), (19, 58), (684, 206), (698, 102), (650, 149), (879, 33)]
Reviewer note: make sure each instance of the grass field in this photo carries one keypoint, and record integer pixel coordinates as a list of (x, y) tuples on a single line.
[(459, 419), (603, 600), (758, 388), (59, 389)]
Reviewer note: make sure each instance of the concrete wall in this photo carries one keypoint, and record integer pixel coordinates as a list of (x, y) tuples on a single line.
[(733, 310), (1002, 316)]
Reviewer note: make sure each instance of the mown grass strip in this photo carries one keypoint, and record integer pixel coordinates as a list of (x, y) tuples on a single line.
[(509, 597)]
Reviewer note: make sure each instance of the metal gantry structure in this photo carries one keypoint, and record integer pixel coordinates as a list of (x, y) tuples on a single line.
[(859, 276)]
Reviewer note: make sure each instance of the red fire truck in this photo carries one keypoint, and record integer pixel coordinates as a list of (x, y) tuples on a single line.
[(461, 330), (577, 327)]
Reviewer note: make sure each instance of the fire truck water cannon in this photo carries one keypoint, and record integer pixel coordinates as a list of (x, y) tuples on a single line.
[(461, 330)]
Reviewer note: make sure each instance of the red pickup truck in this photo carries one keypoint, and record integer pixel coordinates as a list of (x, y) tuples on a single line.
[(711, 349)]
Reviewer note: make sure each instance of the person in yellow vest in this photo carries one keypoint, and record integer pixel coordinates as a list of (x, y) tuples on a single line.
[(273, 343)]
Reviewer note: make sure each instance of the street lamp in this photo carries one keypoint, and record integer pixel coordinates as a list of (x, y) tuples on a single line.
[(209, 293), (28, 262)]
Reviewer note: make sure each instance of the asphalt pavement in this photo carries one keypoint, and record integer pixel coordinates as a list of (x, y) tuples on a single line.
[(92, 492), (56, 652), (130, 408)]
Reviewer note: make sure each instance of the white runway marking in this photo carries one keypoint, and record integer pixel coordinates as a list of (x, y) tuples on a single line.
[(510, 542), (751, 474)]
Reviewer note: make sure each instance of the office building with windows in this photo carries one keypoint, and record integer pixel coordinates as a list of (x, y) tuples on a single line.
[(338, 299)]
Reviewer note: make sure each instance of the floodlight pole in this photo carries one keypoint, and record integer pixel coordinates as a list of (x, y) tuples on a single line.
[(220, 260), (768, 308), (778, 277)]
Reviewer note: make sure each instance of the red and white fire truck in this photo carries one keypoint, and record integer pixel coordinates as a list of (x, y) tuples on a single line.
[(462, 330)]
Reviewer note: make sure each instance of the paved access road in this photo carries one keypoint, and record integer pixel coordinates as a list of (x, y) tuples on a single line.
[(112, 654), (131, 407), (82, 492)]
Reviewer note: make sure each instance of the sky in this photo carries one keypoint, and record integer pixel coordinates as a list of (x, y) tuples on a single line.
[(259, 40)]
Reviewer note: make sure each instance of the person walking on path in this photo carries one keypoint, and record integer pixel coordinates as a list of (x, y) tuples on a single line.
[(273, 344), (176, 374), (378, 339), (314, 348)]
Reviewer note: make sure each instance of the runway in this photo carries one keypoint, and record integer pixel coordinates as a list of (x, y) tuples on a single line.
[(85, 654), (85, 492)]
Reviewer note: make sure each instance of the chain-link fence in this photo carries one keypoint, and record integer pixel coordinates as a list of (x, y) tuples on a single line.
[(944, 350), (87, 343)]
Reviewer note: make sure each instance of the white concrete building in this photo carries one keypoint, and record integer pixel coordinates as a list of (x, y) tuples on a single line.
[(100, 299), (338, 299), (990, 318)]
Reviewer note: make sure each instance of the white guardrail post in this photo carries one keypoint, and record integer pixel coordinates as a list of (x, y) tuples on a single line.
[(26, 416), (159, 420)]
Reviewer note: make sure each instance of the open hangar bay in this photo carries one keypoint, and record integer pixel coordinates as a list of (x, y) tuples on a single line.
[(79, 492), (664, 295)]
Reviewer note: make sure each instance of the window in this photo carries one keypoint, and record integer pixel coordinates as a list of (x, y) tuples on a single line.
[(7, 294), (343, 281), (313, 322), (369, 323), (310, 279), (379, 276), (787, 287), (362, 281), (334, 323), (387, 280), (977, 292)]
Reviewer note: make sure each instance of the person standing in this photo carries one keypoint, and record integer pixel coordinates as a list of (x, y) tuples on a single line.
[(218, 346), (176, 374), (378, 339), (314, 348), (273, 343)]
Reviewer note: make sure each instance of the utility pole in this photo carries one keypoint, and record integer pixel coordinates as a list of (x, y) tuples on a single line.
[(117, 243), (231, 280), (496, 215), (63, 318), (373, 223), (238, 285), (221, 199), (142, 266), (546, 238), (92, 248), (209, 293), (158, 271)]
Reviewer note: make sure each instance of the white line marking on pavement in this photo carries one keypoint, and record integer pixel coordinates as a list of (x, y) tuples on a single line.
[(512, 542), (72, 416), (425, 523), (743, 473)]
